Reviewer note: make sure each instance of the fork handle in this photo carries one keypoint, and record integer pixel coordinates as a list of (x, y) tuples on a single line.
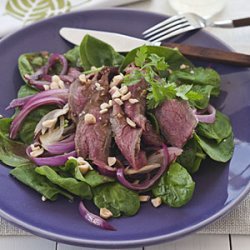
[(232, 23), (211, 55)]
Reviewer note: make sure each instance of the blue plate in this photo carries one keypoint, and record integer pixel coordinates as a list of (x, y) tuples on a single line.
[(219, 187)]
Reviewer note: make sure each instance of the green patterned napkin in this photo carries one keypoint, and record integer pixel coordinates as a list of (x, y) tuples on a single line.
[(15, 14)]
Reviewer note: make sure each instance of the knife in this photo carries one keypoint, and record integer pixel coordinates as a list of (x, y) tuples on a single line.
[(124, 43)]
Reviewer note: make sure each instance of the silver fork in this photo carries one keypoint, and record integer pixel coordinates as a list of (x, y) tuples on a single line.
[(179, 24)]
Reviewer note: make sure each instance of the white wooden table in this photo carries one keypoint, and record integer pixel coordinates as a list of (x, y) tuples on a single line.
[(239, 39)]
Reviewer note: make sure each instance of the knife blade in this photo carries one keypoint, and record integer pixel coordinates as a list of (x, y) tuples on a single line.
[(124, 43)]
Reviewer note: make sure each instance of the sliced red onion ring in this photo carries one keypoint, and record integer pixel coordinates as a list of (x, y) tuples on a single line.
[(52, 161), (19, 102), (61, 147), (58, 57), (104, 168), (209, 118), (31, 105), (94, 219), (148, 183), (39, 84)]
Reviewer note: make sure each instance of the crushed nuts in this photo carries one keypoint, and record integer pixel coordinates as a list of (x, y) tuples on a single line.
[(54, 85), (55, 78), (46, 87), (124, 90), (103, 111), (116, 94), (89, 119), (111, 161), (84, 168), (130, 123), (126, 97), (133, 101), (116, 80), (82, 78), (183, 66), (43, 198), (144, 198), (105, 213), (156, 202), (118, 101), (104, 105)]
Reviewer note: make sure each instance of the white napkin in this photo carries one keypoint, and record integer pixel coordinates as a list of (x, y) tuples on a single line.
[(15, 14)]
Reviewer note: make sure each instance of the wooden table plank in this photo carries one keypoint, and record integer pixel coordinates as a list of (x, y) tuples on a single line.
[(196, 242), (25, 243), (240, 242)]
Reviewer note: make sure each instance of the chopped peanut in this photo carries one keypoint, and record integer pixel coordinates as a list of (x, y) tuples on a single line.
[(130, 123), (89, 119), (111, 161), (144, 198), (126, 97), (105, 213), (156, 202)]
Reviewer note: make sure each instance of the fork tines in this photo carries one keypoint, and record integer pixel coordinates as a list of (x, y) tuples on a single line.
[(170, 27)]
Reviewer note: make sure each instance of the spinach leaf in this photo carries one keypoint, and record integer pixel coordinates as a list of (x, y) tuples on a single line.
[(94, 52), (200, 76), (29, 63), (26, 90), (191, 156), (172, 56), (118, 199), (218, 130), (73, 56), (175, 187), (221, 152), (12, 153), (27, 175), (92, 178), (70, 184), (205, 93)]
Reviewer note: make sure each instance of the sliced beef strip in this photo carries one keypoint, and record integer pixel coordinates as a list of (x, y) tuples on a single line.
[(177, 121), (93, 140), (128, 139), (136, 112)]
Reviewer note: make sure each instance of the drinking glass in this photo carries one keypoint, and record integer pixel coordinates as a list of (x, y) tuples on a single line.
[(204, 8)]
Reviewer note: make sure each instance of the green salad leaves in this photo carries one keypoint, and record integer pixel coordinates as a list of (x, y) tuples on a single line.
[(169, 76)]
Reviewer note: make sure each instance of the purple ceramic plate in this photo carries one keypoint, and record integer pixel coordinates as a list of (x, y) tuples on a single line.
[(219, 187)]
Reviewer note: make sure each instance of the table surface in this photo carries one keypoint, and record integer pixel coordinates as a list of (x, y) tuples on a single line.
[(238, 39)]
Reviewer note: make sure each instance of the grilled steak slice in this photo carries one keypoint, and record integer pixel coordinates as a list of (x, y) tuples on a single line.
[(136, 112), (79, 96), (127, 138), (176, 121), (93, 138)]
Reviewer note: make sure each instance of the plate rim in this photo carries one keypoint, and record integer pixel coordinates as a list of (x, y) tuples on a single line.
[(121, 243)]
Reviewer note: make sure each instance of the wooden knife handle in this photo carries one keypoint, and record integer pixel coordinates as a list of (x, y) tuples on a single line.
[(241, 22), (211, 55)]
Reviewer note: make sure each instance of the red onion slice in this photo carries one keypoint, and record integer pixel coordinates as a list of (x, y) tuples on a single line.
[(19, 102), (58, 57), (31, 105), (52, 161), (94, 219), (148, 183), (61, 147), (104, 168), (209, 118)]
